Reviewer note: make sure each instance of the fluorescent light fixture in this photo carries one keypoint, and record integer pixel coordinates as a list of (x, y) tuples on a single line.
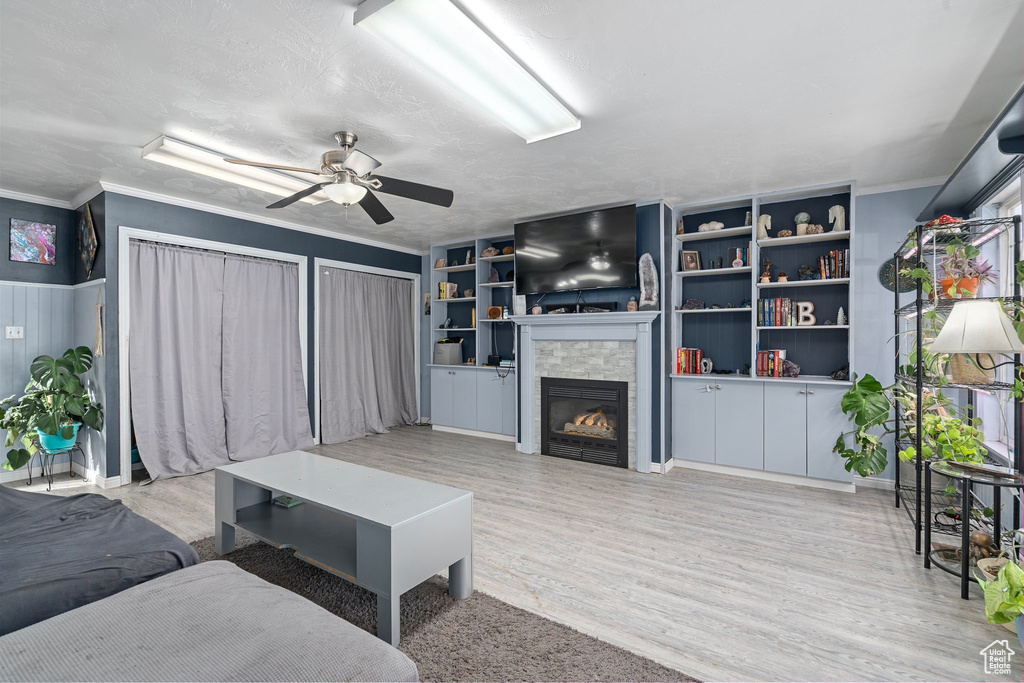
[(457, 51), (209, 163)]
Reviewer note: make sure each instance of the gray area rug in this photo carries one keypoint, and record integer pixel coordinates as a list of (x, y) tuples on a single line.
[(477, 639)]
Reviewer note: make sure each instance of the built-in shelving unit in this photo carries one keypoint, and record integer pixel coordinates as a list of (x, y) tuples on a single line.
[(742, 420)]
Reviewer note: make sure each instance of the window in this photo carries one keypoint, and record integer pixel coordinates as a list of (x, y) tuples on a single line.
[(994, 409)]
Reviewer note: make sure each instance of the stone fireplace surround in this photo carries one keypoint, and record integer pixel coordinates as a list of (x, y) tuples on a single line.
[(604, 346)]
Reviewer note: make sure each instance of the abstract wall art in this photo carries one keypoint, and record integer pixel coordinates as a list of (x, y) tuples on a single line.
[(33, 242)]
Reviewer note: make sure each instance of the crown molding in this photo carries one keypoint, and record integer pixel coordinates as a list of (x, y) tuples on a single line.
[(35, 199), (96, 188), (903, 185)]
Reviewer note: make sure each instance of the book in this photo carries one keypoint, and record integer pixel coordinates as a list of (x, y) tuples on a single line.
[(287, 501)]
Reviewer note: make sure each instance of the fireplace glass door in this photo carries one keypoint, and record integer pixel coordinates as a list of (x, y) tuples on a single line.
[(584, 420)]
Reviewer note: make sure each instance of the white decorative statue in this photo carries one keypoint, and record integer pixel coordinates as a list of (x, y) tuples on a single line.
[(648, 284), (764, 224), (841, 317), (837, 217)]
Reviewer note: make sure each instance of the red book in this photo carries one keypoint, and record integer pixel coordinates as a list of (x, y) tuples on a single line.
[(699, 356), (679, 361)]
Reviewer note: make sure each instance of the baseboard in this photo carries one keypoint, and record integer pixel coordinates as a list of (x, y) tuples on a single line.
[(875, 483), (473, 432), (768, 476), (662, 467), (88, 476)]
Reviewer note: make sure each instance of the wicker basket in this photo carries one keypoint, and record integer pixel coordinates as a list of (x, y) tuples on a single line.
[(965, 370)]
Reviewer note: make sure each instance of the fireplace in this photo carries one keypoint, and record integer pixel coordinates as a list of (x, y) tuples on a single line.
[(585, 420)]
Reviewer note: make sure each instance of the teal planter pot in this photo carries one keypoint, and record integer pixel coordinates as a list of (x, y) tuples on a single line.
[(56, 443)]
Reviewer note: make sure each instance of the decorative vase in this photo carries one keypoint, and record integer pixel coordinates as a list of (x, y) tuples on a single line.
[(55, 443), (970, 284)]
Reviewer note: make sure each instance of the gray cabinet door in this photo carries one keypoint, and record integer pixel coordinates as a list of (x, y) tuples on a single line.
[(464, 404), (739, 424), (825, 422), (442, 382), (693, 413), (488, 401), (509, 407), (785, 427)]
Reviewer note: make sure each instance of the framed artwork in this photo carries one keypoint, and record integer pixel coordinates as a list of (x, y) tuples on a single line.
[(426, 303), (87, 242), (689, 260), (441, 263), (33, 242)]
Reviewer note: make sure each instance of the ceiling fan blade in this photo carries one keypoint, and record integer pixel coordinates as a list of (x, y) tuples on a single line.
[(301, 194), (421, 193), (360, 163), (273, 166), (374, 209)]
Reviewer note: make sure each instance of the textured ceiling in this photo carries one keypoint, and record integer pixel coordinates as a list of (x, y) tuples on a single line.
[(685, 100)]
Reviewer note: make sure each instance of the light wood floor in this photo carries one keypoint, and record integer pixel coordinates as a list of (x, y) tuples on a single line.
[(720, 577)]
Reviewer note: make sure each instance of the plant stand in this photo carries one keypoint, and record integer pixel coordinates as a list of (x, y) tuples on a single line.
[(46, 463), (967, 481), (922, 248)]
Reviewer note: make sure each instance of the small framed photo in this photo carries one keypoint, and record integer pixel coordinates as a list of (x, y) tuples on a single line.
[(689, 260), (441, 263)]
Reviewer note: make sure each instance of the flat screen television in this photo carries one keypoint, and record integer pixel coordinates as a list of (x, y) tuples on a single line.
[(589, 250)]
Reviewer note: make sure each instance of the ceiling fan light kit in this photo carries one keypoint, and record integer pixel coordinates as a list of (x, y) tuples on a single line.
[(442, 39), (344, 191), (183, 155)]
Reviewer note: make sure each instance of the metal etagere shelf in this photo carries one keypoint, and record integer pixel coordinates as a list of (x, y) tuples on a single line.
[(924, 246)]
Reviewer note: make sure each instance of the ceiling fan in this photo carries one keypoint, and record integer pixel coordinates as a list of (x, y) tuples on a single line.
[(350, 181)]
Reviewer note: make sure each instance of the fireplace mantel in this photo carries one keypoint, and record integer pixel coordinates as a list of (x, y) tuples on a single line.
[(632, 326)]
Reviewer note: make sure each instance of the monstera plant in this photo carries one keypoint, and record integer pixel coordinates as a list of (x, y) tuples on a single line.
[(55, 404)]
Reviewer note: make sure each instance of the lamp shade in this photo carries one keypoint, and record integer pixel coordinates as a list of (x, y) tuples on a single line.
[(977, 327), (344, 191)]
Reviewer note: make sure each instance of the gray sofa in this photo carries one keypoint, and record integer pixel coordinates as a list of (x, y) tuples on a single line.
[(209, 622)]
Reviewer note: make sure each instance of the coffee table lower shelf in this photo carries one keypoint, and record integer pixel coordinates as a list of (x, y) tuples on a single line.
[(318, 536)]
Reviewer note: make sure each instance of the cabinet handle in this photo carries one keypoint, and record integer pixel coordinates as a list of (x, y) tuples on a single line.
[(811, 392), (718, 386), (802, 391)]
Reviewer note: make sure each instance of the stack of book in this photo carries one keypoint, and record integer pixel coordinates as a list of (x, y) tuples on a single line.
[(778, 312), (442, 290), (769, 363), (688, 361), (835, 264)]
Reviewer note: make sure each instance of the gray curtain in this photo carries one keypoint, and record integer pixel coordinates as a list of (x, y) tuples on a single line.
[(367, 359), (264, 394), (215, 361), (175, 358)]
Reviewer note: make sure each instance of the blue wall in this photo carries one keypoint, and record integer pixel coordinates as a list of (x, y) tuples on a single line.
[(120, 210), (63, 271)]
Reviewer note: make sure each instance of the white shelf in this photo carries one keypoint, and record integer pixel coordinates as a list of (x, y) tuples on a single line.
[(805, 283), (495, 284), (498, 258), (804, 327), (456, 300), (744, 231), (456, 269), (712, 271), (493, 320), (804, 239), (747, 309), (455, 330)]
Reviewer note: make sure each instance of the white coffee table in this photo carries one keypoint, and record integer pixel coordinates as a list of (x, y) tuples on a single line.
[(382, 531)]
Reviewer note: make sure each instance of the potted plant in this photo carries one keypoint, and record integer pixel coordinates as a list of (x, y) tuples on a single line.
[(1004, 598), (963, 272), (54, 406)]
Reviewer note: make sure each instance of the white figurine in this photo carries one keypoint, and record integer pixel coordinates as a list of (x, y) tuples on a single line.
[(837, 217), (764, 224), (841, 316)]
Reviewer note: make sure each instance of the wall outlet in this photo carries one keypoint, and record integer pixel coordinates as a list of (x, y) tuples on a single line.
[(14, 332)]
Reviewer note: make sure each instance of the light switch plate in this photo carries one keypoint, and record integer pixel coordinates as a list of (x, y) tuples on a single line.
[(14, 332)]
